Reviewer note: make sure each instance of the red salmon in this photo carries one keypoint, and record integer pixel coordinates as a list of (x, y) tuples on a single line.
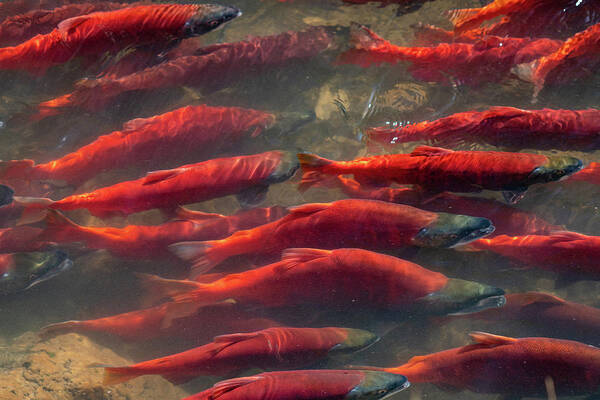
[(148, 242), (272, 348), (590, 174), (489, 59), (213, 65), (111, 31), (509, 127), (307, 385), (437, 170), (518, 367), (342, 278), (360, 223), (248, 177), (201, 130)]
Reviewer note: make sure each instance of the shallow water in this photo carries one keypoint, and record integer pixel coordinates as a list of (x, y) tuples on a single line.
[(100, 285)]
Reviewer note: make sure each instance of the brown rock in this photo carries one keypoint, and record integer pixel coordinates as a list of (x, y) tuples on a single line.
[(59, 369)]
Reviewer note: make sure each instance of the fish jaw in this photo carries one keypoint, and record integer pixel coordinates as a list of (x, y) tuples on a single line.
[(377, 385), (450, 230), (460, 297), (33, 268), (357, 340), (208, 18)]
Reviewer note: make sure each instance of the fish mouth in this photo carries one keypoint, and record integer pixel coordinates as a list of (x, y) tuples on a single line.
[(60, 268), (477, 234), (483, 304), (400, 388)]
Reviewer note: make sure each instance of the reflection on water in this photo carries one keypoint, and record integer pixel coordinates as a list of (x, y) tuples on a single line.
[(319, 107)]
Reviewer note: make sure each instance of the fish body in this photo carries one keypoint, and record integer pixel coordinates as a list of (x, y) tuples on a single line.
[(152, 241), (19, 28), (549, 314), (22, 239), (247, 176), (342, 278), (437, 170), (360, 223), (307, 385), (21, 271), (110, 31), (533, 18), (590, 174), (577, 58), (215, 64), (563, 252), (507, 220), (520, 367), (487, 60), (503, 127), (159, 323), (272, 348), (201, 130)]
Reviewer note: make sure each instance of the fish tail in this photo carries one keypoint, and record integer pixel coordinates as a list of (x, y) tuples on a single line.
[(155, 288), (60, 328), (52, 107), (463, 19), (362, 41), (312, 170), (203, 255), (35, 208), (115, 375), (57, 222)]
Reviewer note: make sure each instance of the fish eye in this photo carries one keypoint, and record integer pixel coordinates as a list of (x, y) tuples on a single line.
[(381, 391), (214, 23)]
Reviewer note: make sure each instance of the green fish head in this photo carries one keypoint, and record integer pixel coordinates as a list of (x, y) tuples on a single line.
[(208, 18), (29, 269), (459, 297), (450, 230), (557, 168), (378, 385), (356, 340)]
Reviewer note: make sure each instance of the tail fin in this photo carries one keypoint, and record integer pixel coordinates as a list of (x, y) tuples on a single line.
[(115, 375), (311, 167), (156, 288), (464, 19), (526, 72), (201, 254), (52, 107), (56, 222), (60, 328), (362, 41), (35, 208)]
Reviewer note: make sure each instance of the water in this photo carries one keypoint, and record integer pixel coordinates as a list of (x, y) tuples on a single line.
[(345, 99)]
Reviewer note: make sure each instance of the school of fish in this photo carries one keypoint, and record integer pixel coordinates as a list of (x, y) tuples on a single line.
[(309, 300)]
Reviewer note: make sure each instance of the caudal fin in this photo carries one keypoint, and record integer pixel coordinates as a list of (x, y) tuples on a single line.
[(203, 255), (34, 208), (115, 375), (57, 223), (60, 328), (312, 166), (156, 288)]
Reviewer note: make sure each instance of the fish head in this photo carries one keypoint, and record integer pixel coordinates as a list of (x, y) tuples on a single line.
[(25, 270), (6, 195), (377, 385), (356, 340), (555, 169), (208, 18), (450, 230), (459, 297)]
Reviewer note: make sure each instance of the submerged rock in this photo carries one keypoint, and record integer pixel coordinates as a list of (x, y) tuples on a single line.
[(59, 369)]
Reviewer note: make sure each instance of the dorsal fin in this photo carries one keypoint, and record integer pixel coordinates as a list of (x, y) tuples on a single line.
[(158, 176), (490, 339), (459, 16), (64, 27), (223, 387), (567, 236), (430, 151), (137, 123), (310, 208)]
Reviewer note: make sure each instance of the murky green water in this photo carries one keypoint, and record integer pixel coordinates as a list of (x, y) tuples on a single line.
[(101, 285)]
